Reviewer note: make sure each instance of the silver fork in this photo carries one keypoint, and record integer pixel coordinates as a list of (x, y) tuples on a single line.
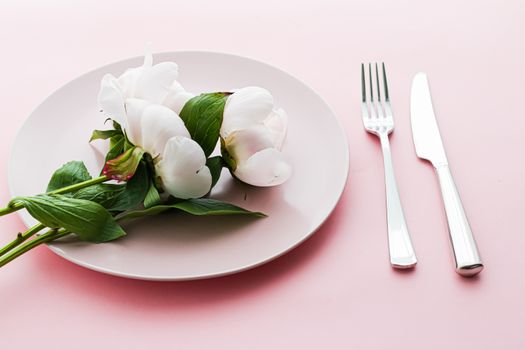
[(378, 120)]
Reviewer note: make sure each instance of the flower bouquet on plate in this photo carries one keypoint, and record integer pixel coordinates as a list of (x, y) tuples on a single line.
[(167, 149)]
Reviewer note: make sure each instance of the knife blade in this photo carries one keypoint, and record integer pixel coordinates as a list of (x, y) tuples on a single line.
[(427, 138), (429, 146)]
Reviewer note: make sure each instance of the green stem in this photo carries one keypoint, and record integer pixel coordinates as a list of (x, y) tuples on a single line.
[(11, 208), (21, 238), (17, 206), (27, 246), (80, 185)]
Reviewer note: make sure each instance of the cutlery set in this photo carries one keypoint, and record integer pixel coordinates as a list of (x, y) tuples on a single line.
[(378, 119)]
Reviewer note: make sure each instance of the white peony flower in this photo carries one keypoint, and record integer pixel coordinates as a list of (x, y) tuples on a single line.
[(179, 161), (146, 101), (253, 132), (153, 83)]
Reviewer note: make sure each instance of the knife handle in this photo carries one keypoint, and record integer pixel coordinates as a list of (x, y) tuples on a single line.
[(468, 262)]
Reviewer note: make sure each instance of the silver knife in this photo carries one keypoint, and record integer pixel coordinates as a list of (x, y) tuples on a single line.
[(429, 146)]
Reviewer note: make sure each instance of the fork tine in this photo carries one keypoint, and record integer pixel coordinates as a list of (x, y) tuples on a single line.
[(373, 107), (363, 85), (378, 104), (370, 81), (378, 86), (364, 105), (387, 97)]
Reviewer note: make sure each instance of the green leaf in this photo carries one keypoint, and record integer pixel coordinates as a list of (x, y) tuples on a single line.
[(208, 206), (152, 197), (117, 198), (104, 134), (104, 194), (118, 141), (116, 147), (107, 134), (198, 206), (117, 126), (124, 166), (68, 174), (215, 164), (136, 190), (202, 116), (88, 220), (128, 145)]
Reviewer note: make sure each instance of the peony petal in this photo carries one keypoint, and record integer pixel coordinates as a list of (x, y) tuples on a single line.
[(130, 78), (148, 55), (265, 168), (183, 155), (154, 83), (158, 125), (128, 81), (246, 107), (134, 109), (242, 144), (111, 99), (177, 97), (182, 169), (277, 123)]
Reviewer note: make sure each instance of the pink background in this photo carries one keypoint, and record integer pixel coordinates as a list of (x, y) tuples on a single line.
[(336, 291)]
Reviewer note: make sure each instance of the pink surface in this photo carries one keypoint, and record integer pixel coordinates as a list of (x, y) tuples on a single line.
[(336, 291)]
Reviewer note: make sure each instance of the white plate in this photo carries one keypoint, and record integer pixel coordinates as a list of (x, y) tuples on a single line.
[(178, 246)]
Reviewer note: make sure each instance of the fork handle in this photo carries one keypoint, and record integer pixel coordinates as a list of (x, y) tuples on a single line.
[(402, 255), (468, 262)]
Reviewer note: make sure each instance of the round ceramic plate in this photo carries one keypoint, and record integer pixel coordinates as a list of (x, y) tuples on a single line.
[(178, 246)]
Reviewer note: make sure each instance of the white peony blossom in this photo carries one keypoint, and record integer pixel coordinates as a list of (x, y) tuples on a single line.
[(179, 161), (253, 132), (153, 83), (146, 101)]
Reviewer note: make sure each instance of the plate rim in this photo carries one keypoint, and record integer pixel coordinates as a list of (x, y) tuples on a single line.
[(149, 277)]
